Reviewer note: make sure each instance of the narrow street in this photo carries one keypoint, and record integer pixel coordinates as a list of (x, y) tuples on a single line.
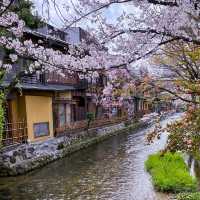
[(112, 170)]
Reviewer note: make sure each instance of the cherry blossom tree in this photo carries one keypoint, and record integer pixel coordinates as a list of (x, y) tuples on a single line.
[(182, 59), (74, 60), (134, 34), (84, 59), (142, 25), (121, 90), (141, 28)]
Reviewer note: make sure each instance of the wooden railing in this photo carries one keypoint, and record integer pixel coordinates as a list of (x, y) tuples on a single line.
[(14, 133), (56, 78), (82, 125)]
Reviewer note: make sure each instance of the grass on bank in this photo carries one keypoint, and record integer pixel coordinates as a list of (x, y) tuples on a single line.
[(170, 173), (189, 196)]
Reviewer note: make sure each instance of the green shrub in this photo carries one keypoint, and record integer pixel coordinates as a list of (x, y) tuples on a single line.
[(60, 146), (90, 117), (170, 173), (2, 118), (189, 196)]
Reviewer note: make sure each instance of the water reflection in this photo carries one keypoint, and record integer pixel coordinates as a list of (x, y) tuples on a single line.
[(112, 170)]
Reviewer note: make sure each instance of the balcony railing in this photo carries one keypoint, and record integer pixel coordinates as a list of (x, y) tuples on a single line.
[(55, 78), (82, 125), (49, 78)]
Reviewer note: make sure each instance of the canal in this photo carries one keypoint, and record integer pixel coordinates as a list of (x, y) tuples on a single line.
[(111, 170)]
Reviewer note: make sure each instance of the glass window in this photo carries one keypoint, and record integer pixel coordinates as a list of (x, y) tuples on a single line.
[(41, 129), (62, 115)]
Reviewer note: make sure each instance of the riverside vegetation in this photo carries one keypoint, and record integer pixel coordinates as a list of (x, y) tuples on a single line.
[(170, 173), (189, 196)]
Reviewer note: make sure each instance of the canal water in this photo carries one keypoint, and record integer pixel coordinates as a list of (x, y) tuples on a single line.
[(111, 170)]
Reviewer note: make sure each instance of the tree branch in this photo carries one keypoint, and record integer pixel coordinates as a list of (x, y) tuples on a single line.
[(143, 56), (173, 93), (164, 3), (7, 7), (153, 31), (155, 2), (96, 10)]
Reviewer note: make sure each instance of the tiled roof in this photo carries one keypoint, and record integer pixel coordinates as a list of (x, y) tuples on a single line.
[(48, 87), (43, 87)]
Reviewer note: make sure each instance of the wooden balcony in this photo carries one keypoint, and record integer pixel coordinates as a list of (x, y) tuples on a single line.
[(50, 78), (54, 78), (73, 127), (14, 133)]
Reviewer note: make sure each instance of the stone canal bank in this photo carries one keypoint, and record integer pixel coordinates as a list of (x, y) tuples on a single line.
[(111, 169), (28, 157)]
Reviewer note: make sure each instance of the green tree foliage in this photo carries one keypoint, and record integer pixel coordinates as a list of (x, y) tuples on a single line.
[(2, 102), (183, 59), (90, 117), (24, 10), (2, 119), (189, 196), (185, 133)]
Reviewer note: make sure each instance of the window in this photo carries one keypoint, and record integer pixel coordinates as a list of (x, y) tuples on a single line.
[(62, 114), (41, 129)]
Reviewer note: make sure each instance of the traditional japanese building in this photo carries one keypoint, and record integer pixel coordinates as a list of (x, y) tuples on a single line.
[(45, 104)]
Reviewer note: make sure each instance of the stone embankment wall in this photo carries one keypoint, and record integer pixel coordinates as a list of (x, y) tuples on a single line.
[(28, 157)]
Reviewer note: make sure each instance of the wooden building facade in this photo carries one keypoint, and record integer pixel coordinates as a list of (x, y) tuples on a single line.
[(48, 104)]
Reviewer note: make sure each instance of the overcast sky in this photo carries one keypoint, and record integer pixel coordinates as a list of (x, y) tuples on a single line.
[(111, 13)]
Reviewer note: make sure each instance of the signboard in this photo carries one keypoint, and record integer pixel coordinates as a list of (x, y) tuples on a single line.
[(41, 129)]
